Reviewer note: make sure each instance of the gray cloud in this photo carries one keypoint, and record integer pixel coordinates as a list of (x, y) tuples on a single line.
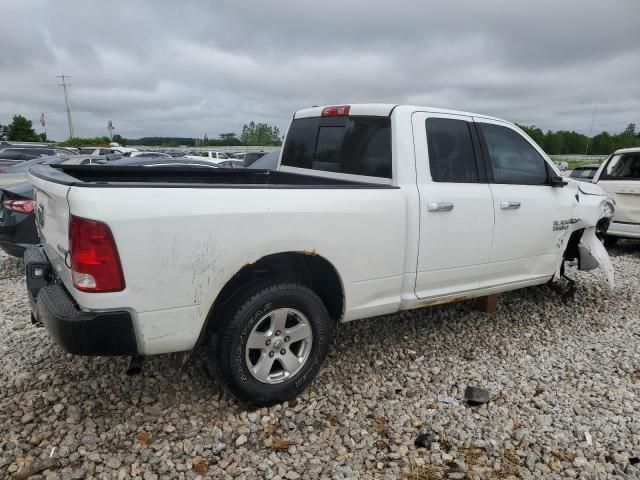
[(190, 68)]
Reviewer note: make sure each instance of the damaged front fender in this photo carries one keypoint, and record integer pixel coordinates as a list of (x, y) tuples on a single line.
[(592, 254)]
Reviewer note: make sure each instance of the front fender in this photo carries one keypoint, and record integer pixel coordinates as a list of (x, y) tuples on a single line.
[(592, 254)]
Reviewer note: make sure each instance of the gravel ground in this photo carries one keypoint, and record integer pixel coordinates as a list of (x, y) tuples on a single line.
[(564, 380)]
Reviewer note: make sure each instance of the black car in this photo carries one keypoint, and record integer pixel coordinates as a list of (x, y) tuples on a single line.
[(17, 218), (12, 155), (585, 172), (17, 224)]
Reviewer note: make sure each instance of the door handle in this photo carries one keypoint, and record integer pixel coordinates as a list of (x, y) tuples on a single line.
[(440, 206), (509, 205)]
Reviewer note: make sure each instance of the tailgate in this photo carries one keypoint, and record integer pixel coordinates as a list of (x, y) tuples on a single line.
[(52, 222), (626, 194)]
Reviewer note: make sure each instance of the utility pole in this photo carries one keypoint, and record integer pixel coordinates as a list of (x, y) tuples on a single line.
[(593, 117), (64, 85)]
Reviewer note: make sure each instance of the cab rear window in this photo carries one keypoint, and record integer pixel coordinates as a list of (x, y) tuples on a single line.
[(357, 145)]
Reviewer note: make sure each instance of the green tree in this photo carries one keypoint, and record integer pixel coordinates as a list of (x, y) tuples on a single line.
[(21, 130), (119, 139), (4, 133), (260, 134), (228, 139), (630, 131)]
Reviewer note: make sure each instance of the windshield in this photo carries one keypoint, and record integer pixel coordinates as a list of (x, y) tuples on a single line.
[(623, 166)]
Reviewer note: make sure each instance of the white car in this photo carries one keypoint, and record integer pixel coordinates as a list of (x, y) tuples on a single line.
[(373, 209), (114, 148), (619, 175), (212, 156), (149, 155)]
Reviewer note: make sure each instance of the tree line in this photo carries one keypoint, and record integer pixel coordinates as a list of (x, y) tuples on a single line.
[(565, 142), (561, 142)]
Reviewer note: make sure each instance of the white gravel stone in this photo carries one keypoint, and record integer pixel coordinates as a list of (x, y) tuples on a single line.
[(555, 370)]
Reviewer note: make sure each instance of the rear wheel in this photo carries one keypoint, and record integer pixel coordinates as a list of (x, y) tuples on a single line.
[(610, 241), (272, 342)]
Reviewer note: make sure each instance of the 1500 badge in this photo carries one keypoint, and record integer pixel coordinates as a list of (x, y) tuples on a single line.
[(563, 224)]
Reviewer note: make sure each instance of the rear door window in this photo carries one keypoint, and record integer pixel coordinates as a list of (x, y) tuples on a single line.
[(513, 159), (624, 166), (357, 145), (451, 154)]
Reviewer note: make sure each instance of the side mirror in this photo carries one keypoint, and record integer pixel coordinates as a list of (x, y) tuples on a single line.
[(556, 181)]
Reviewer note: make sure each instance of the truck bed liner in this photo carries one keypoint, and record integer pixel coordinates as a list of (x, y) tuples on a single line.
[(191, 177)]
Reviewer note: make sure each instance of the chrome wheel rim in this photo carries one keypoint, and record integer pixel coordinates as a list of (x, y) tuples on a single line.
[(279, 345)]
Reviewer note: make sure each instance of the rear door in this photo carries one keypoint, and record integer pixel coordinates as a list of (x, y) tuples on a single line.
[(456, 208), (620, 177), (530, 215)]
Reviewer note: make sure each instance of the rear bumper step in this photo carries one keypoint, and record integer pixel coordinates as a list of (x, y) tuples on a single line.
[(76, 331)]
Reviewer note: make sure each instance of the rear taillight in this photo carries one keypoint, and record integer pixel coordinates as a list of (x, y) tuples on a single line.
[(336, 111), (20, 206), (95, 264)]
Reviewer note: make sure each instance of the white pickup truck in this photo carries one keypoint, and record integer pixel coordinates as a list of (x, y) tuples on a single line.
[(373, 209)]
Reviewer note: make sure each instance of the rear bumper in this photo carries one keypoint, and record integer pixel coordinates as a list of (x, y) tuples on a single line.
[(624, 230), (76, 331)]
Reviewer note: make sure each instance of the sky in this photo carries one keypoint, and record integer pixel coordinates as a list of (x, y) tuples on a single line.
[(189, 68)]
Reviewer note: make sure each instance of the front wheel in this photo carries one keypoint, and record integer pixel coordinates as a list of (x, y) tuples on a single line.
[(272, 343)]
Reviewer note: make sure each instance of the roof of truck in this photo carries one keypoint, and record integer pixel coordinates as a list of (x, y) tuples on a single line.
[(384, 109)]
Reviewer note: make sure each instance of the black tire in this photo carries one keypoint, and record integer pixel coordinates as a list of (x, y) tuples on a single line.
[(610, 241), (226, 346)]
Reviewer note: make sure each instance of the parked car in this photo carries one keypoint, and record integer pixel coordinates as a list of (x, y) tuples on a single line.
[(619, 175), (251, 157), (177, 154), (14, 155), (212, 156), (149, 155), (373, 209), (17, 220), (268, 161), (562, 165), (232, 163), (162, 162), (585, 172), (17, 226), (94, 150), (18, 173)]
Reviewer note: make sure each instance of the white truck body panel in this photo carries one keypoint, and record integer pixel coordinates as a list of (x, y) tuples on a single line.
[(179, 246)]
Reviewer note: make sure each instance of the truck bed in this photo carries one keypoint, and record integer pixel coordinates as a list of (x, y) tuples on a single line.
[(193, 177)]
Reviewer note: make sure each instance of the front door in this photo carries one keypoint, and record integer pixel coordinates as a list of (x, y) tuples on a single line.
[(531, 216), (456, 210)]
